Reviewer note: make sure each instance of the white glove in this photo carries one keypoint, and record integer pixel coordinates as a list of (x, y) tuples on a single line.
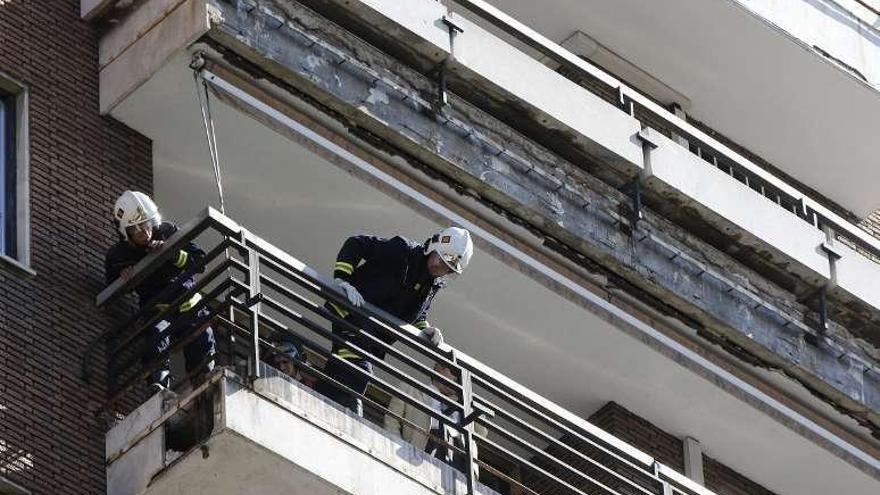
[(354, 297), (434, 335)]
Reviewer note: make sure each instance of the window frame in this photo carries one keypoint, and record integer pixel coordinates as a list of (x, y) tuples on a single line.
[(17, 179), (7, 486)]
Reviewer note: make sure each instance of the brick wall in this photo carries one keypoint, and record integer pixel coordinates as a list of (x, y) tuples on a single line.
[(632, 429), (51, 441), (668, 449)]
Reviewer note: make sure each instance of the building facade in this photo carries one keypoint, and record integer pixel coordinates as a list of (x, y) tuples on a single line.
[(675, 284), (69, 170)]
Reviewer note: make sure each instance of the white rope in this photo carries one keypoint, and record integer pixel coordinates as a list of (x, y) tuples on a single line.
[(204, 97)]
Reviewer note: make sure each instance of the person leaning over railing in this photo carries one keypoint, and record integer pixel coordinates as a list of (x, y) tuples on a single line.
[(141, 231), (397, 276)]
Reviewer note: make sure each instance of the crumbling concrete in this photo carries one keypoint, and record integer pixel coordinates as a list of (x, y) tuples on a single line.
[(792, 265), (657, 261)]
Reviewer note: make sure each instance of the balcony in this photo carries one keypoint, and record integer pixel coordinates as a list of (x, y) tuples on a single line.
[(795, 82), (228, 427), (248, 428)]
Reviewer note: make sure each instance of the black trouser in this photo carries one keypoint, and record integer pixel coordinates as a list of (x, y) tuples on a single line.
[(441, 451), (356, 380), (197, 354)]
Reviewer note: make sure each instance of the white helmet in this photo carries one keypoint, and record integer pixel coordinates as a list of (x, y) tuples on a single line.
[(454, 246), (135, 208)]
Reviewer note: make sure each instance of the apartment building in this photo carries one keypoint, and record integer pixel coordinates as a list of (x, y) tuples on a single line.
[(675, 284)]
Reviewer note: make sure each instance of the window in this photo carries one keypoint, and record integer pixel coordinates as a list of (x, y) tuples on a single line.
[(8, 167), (14, 189)]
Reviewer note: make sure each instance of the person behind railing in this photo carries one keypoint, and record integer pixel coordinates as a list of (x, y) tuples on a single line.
[(289, 358), (142, 231), (397, 276), (425, 432)]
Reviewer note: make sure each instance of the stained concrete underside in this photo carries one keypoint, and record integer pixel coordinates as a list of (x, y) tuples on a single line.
[(675, 272)]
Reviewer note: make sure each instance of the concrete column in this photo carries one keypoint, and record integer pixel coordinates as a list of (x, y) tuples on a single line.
[(693, 460), (679, 112)]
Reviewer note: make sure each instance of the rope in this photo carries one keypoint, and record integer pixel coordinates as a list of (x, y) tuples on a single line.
[(201, 87), (204, 97)]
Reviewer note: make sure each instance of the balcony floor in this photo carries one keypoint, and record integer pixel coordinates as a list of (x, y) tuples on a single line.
[(280, 438)]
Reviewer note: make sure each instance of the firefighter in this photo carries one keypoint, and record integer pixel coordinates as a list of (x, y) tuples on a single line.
[(399, 277), (142, 231)]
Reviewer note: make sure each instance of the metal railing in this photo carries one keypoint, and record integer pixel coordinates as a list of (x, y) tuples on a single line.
[(257, 295), (873, 7), (713, 152)]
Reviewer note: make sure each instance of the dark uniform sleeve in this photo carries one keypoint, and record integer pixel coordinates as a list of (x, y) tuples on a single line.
[(114, 263), (364, 248), (421, 319), (186, 257)]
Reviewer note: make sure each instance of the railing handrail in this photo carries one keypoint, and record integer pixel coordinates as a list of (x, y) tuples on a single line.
[(478, 367), (213, 219), (561, 55)]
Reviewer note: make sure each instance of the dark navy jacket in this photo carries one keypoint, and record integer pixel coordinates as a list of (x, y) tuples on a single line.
[(124, 254), (392, 274)]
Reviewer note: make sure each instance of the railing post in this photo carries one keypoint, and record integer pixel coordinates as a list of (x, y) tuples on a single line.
[(667, 488), (468, 404), (254, 309)]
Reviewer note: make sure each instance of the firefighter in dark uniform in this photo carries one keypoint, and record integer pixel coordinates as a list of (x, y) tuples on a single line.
[(399, 277), (142, 231)]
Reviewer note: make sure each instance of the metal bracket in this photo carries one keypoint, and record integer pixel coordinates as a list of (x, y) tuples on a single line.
[(252, 301), (822, 327), (479, 410), (633, 213), (828, 248), (644, 136), (625, 103), (198, 61), (453, 29)]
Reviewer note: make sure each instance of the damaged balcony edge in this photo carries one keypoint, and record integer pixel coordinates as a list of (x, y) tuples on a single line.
[(773, 337), (765, 250)]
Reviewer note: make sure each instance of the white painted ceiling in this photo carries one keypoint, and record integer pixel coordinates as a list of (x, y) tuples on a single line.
[(745, 78), (307, 206)]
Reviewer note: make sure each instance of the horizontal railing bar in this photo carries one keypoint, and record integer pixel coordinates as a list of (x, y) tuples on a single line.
[(531, 406), (118, 349), (506, 453), (151, 261), (307, 278), (504, 476), (159, 315), (682, 480), (397, 327), (370, 357), (503, 432), (388, 348), (179, 344), (543, 435)]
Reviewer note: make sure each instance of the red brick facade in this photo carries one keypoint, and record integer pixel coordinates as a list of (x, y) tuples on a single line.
[(669, 450), (51, 441)]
